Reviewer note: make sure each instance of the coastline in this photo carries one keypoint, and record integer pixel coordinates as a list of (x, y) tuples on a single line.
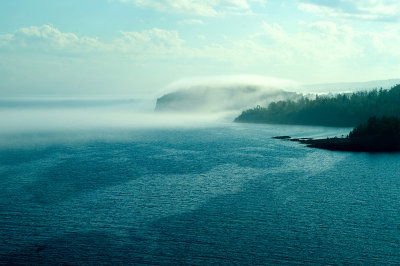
[(359, 144)]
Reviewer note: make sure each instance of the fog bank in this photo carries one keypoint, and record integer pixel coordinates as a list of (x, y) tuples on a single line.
[(223, 94), (40, 115)]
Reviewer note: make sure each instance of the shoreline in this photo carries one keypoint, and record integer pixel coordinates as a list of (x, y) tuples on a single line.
[(360, 144)]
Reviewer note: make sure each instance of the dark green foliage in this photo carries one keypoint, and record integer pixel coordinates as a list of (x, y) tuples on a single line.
[(388, 127), (377, 135), (340, 110)]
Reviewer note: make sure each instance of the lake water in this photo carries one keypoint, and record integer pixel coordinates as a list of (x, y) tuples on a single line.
[(217, 194)]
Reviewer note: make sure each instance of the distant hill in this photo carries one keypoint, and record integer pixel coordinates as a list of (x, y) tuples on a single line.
[(349, 86), (220, 98)]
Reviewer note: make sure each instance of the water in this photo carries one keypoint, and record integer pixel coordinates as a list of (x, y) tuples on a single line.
[(222, 194)]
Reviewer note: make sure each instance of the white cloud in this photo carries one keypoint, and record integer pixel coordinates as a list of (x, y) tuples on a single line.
[(192, 22), (317, 41), (382, 10), (154, 36), (153, 43), (48, 38), (206, 8), (313, 41), (316, 50), (5, 39), (260, 2), (387, 42), (274, 31)]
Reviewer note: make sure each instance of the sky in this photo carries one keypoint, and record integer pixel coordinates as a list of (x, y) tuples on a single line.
[(139, 47)]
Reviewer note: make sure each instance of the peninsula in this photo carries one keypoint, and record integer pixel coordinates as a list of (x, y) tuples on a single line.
[(377, 135)]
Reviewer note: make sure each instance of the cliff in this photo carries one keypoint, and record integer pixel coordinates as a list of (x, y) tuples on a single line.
[(214, 99)]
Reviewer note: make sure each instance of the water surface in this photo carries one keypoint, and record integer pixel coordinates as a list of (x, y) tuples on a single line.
[(222, 194)]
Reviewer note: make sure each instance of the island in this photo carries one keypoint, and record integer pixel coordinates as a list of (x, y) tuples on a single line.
[(377, 135)]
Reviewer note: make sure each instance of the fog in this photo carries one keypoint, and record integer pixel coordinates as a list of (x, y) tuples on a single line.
[(25, 120), (223, 94), (227, 80), (348, 87), (42, 122), (225, 97), (41, 115), (33, 120)]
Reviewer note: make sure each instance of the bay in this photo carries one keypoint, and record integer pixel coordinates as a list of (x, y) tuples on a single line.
[(223, 193)]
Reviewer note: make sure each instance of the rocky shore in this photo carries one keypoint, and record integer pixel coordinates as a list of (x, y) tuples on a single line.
[(356, 144)]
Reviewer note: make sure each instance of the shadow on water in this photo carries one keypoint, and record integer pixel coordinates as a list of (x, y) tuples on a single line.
[(83, 248), (331, 217), (218, 194)]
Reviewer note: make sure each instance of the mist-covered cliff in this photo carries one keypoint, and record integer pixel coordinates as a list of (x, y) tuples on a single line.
[(220, 98)]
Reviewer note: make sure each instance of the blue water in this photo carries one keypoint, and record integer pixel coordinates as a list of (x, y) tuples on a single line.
[(223, 194)]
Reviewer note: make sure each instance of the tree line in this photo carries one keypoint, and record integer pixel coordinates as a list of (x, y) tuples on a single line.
[(347, 110)]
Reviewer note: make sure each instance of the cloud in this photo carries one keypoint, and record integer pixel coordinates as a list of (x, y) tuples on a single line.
[(231, 81), (223, 93), (206, 8), (153, 37), (315, 42), (191, 22), (262, 3), (375, 10), (316, 51), (387, 42), (146, 44), (5, 39), (48, 38)]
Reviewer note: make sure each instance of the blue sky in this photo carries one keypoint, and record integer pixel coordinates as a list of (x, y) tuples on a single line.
[(138, 47)]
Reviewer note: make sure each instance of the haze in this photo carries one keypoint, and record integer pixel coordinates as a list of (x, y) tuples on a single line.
[(76, 64), (136, 48), (194, 132)]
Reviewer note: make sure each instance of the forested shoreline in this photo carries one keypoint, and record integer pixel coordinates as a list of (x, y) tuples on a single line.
[(377, 135), (341, 110)]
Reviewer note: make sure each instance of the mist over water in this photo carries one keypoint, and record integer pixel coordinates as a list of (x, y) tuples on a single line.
[(89, 180), (224, 94), (42, 121), (86, 181), (30, 115), (225, 97)]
